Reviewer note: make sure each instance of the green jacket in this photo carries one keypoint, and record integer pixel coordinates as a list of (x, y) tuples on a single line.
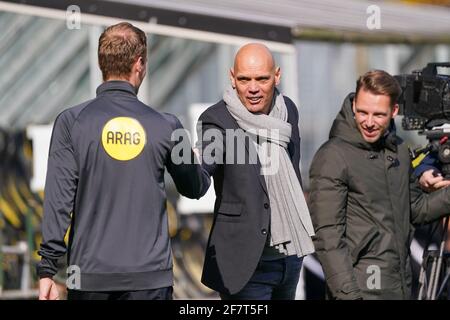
[(364, 203)]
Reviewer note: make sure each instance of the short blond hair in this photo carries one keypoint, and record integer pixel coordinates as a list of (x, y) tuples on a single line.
[(119, 47), (379, 82)]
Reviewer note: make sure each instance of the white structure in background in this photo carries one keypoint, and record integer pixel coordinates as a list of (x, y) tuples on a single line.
[(206, 203), (40, 135)]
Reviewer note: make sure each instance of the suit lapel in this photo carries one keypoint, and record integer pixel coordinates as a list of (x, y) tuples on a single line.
[(256, 167)]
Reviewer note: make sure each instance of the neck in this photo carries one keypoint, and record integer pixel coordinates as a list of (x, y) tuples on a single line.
[(129, 80)]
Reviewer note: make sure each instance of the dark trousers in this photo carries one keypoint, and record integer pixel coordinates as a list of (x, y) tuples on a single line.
[(151, 294), (272, 280)]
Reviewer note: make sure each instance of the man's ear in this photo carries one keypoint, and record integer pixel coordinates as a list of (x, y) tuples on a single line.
[(277, 76), (395, 109), (140, 64), (354, 105), (232, 79)]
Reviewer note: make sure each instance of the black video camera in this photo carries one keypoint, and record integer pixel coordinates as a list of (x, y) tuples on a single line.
[(425, 106), (425, 98)]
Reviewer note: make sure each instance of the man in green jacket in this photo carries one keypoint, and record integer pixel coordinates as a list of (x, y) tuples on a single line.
[(363, 198)]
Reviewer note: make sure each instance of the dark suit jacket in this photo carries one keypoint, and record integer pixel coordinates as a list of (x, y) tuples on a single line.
[(242, 207)]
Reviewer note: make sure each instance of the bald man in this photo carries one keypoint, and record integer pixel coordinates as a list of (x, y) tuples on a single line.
[(249, 143)]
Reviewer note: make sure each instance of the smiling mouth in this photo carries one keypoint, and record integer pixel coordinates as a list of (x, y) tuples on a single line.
[(371, 133), (254, 100)]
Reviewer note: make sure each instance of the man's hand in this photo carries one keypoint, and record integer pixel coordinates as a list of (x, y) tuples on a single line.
[(197, 154), (47, 289), (430, 182)]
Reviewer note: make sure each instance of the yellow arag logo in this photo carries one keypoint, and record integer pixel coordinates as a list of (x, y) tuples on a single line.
[(123, 138)]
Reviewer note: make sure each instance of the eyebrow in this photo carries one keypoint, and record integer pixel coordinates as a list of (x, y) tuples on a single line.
[(264, 77), (375, 113)]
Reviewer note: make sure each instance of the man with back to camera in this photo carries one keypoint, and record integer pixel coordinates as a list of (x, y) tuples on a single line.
[(364, 197), (105, 179), (261, 228)]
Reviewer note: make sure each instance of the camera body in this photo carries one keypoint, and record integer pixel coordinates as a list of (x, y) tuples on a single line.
[(425, 98)]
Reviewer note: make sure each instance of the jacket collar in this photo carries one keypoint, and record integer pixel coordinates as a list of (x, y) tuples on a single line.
[(116, 85)]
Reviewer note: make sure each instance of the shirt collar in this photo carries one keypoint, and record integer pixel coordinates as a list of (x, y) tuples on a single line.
[(116, 85)]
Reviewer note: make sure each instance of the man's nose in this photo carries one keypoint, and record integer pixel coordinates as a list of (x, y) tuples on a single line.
[(369, 121), (253, 87)]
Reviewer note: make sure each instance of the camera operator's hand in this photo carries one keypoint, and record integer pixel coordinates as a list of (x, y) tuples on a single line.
[(430, 181)]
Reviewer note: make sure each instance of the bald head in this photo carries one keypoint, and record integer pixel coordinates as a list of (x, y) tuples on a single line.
[(254, 54), (254, 76)]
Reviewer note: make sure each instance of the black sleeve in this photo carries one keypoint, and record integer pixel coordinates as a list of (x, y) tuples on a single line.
[(297, 155), (60, 191), (427, 207), (188, 175), (211, 143)]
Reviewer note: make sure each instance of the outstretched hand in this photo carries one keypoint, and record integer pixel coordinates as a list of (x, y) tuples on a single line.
[(431, 182), (48, 289)]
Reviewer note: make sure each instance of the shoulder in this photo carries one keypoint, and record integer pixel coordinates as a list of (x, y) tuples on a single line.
[(214, 113), (63, 125), (68, 116), (331, 155), (291, 108), (290, 104), (401, 143), (403, 149), (156, 120), (172, 120), (333, 145)]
